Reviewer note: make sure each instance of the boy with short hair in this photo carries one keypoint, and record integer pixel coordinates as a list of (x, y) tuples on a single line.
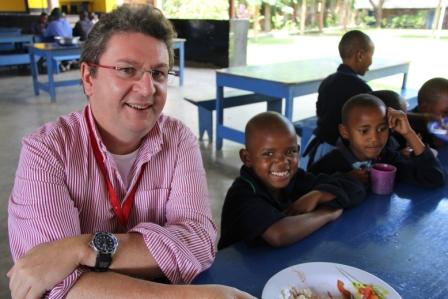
[(273, 201), (432, 105), (356, 51), (365, 129)]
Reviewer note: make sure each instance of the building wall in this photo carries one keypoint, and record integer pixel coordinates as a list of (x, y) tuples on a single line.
[(12, 6)]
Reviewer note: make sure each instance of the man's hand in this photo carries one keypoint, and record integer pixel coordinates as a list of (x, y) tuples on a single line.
[(308, 202), (43, 267)]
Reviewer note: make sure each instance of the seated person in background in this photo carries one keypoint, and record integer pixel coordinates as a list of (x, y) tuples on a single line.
[(118, 187), (38, 28), (356, 51), (432, 105), (83, 26), (58, 26), (273, 201), (365, 131)]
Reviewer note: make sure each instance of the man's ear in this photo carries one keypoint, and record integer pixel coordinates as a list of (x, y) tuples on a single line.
[(87, 79), (245, 157), (343, 131)]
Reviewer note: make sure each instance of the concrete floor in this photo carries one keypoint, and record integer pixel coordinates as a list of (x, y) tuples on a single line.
[(22, 112)]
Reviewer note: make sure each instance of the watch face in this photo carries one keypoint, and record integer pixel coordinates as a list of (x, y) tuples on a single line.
[(105, 242)]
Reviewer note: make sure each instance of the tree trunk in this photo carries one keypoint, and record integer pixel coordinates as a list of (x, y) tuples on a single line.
[(303, 17), (378, 8), (267, 17), (321, 15), (435, 21)]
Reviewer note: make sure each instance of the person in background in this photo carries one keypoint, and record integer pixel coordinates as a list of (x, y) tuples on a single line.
[(112, 197), (365, 131), (83, 26), (58, 26), (93, 17), (273, 201), (356, 50), (432, 105), (38, 28)]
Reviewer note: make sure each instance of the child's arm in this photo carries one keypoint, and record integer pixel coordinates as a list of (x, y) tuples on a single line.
[(291, 229), (398, 122), (308, 202)]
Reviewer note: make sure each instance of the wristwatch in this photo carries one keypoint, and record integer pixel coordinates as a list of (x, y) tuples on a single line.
[(105, 244)]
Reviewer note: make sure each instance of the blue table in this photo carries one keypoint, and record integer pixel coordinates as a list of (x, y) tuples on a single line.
[(287, 80), (402, 238), (179, 43), (10, 41), (52, 52)]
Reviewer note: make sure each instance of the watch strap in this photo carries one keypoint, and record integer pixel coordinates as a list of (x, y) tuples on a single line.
[(103, 261)]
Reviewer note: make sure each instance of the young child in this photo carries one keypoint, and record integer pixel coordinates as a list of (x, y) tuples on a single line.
[(356, 51), (272, 200), (365, 129), (432, 105)]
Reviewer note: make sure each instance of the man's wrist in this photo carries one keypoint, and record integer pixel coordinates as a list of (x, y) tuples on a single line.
[(87, 255)]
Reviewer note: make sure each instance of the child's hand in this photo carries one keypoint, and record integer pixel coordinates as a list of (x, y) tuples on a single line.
[(398, 121), (360, 175), (308, 202)]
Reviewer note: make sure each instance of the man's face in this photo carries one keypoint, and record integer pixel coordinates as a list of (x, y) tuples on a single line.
[(367, 131), (274, 157), (127, 108)]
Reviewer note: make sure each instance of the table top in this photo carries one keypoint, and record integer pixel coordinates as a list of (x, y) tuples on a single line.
[(299, 71), (401, 238), (54, 46)]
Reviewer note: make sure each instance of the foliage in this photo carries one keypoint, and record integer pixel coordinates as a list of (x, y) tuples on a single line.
[(196, 9), (416, 21)]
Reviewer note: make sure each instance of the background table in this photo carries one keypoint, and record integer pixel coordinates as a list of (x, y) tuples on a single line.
[(401, 238), (287, 80)]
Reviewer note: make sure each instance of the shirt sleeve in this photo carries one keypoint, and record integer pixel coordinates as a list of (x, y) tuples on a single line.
[(185, 245), (40, 208)]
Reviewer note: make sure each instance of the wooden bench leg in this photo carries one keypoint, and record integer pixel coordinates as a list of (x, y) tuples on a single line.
[(275, 106), (205, 123)]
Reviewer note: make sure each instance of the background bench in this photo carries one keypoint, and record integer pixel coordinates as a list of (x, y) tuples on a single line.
[(207, 104), (305, 127), (14, 59)]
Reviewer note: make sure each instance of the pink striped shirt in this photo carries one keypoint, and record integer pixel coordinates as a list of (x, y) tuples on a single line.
[(60, 192)]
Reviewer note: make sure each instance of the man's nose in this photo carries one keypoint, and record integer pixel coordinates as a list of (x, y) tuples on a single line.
[(145, 85)]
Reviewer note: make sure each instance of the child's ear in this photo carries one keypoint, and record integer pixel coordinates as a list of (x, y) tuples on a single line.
[(245, 157), (343, 131)]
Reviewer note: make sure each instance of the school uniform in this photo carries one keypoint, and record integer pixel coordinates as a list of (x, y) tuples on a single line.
[(423, 170), (249, 209), (334, 91)]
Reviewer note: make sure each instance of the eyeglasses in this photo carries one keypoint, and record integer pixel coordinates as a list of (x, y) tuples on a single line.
[(134, 74)]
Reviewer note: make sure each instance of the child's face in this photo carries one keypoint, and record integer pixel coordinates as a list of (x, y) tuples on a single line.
[(367, 131), (439, 108), (274, 157)]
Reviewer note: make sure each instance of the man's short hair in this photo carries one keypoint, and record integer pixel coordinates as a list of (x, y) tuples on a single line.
[(269, 120), (432, 90), (147, 20), (353, 41), (363, 100)]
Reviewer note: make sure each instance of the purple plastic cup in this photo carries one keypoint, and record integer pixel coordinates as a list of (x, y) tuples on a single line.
[(382, 178)]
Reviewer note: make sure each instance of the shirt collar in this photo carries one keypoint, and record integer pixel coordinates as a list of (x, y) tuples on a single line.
[(350, 157)]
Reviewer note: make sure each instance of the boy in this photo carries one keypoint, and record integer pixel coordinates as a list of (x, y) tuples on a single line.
[(432, 105), (273, 201), (356, 51), (365, 130)]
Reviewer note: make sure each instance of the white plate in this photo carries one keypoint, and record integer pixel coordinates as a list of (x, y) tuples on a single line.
[(321, 278)]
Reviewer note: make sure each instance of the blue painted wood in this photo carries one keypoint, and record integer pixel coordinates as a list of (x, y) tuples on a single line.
[(10, 41), (290, 80), (206, 106), (401, 238), (179, 43), (14, 59), (53, 54)]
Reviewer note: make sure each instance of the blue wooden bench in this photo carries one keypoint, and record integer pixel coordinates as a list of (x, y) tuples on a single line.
[(14, 59), (206, 106), (305, 127)]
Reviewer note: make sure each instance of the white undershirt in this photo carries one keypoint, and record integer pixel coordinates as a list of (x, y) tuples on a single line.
[(124, 164)]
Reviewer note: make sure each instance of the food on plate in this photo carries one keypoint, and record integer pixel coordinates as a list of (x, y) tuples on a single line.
[(296, 293)]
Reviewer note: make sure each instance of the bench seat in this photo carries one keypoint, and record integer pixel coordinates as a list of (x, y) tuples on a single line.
[(14, 59), (206, 106)]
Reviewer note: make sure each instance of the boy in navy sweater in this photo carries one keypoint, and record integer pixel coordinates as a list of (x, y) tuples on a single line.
[(273, 201), (365, 131)]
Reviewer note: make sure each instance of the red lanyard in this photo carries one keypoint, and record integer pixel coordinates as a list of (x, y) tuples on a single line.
[(122, 213)]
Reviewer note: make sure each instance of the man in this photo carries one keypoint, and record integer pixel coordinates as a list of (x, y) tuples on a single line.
[(119, 166), (58, 26)]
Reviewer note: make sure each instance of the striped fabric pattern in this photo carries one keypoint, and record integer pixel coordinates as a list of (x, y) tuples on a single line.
[(59, 192)]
